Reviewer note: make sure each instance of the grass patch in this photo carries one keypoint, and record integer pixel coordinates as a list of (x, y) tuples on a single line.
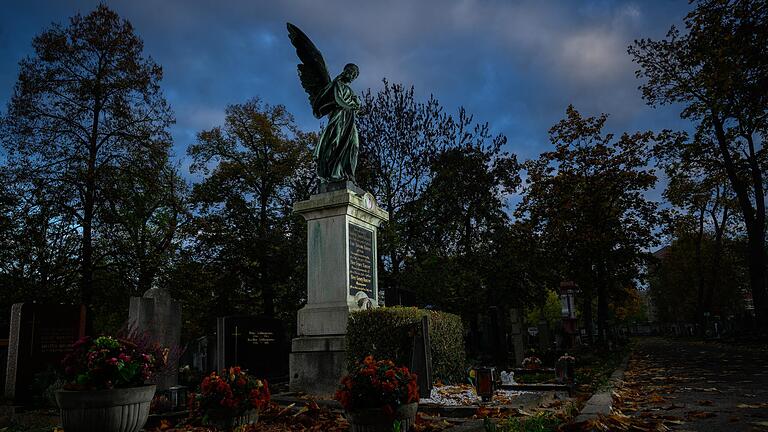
[(540, 422), (594, 369)]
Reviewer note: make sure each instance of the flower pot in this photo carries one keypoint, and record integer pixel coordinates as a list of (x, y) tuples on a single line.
[(227, 419), (115, 410), (377, 420)]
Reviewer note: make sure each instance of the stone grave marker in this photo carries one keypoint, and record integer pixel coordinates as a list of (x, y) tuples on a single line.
[(257, 344), (202, 354), (3, 360), (159, 316), (421, 358), (40, 336)]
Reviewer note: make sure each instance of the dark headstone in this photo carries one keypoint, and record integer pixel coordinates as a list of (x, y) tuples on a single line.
[(3, 360), (256, 344), (421, 358), (40, 337)]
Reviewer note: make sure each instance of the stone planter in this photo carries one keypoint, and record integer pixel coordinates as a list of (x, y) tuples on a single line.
[(376, 420), (116, 410)]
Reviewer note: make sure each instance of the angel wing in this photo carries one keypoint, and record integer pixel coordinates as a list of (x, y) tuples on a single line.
[(312, 70)]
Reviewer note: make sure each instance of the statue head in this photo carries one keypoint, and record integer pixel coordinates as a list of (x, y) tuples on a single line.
[(350, 72)]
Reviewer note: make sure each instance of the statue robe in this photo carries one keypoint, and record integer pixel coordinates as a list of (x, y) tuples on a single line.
[(336, 151)]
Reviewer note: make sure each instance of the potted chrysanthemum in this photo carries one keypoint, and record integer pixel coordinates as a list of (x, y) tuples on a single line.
[(377, 395), (230, 398), (109, 384)]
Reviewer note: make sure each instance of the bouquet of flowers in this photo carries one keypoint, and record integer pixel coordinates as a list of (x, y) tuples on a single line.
[(109, 362), (378, 384), (229, 394), (532, 362)]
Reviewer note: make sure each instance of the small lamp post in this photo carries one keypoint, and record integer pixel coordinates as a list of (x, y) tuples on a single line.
[(568, 309)]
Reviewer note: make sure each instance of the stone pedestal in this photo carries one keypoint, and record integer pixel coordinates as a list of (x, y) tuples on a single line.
[(157, 314), (341, 277)]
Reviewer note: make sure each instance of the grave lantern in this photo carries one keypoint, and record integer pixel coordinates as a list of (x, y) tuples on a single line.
[(484, 383), (177, 395)]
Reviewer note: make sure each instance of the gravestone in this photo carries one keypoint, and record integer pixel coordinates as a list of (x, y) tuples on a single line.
[(516, 331), (257, 344), (342, 222), (421, 358), (202, 354), (159, 316), (40, 336), (3, 361)]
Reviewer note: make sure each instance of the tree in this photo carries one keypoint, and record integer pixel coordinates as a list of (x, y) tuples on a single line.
[(459, 220), (584, 203), (144, 207), (717, 71), (85, 104), (255, 166), (398, 138), (674, 291), (699, 187), (440, 177)]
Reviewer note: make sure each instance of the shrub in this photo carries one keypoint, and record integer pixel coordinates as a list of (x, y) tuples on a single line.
[(387, 333)]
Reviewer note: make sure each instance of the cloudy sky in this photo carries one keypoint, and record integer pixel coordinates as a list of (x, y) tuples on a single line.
[(514, 64)]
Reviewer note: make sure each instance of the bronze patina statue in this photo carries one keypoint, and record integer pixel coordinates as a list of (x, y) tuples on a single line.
[(336, 152)]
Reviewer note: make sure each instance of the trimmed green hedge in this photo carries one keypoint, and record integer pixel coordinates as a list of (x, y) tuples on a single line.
[(386, 333)]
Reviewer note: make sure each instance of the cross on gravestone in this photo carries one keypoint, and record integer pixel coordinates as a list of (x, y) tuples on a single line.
[(421, 358), (257, 344), (236, 335)]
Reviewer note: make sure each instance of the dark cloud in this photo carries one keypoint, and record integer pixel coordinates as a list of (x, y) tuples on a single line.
[(515, 64)]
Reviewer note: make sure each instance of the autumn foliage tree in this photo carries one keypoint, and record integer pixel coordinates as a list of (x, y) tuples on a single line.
[(254, 166), (585, 203), (716, 70), (86, 103)]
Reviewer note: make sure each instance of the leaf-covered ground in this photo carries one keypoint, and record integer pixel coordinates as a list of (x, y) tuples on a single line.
[(691, 386)]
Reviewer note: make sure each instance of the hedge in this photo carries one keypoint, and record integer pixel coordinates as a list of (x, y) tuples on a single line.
[(386, 333)]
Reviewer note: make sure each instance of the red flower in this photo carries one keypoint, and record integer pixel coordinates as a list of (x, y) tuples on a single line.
[(392, 386)]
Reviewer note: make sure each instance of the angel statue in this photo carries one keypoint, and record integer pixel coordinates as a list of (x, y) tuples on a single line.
[(336, 152)]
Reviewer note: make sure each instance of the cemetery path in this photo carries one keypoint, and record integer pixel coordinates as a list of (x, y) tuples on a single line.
[(696, 386)]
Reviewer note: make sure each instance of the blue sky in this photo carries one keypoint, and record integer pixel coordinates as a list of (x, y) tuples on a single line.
[(514, 64)]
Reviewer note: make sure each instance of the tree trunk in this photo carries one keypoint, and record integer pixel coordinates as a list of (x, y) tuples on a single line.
[(757, 274), (700, 274), (754, 219), (602, 312), (587, 314), (717, 254), (89, 202)]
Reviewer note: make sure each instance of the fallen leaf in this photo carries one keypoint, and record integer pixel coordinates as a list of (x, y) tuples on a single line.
[(701, 414)]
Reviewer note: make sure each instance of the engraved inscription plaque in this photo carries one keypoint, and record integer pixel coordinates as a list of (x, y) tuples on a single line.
[(360, 260)]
